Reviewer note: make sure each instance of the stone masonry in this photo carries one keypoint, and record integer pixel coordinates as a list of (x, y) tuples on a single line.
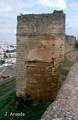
[(40, 49), (65, 107)]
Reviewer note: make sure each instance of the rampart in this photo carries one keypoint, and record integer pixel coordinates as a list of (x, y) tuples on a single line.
[(65, 107)]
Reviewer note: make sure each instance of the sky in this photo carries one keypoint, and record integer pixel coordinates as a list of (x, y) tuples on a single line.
[(9, 9)]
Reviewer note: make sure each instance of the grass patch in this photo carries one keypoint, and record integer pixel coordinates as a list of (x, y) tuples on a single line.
[(8, 104), (7, 83), (6, 87)]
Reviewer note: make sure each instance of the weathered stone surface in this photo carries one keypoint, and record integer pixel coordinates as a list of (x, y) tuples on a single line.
[(65, 106), (42, 81), (41, 23), (40, 38)]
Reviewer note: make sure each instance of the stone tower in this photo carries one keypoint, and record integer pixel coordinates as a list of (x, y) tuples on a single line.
[(40, 39)]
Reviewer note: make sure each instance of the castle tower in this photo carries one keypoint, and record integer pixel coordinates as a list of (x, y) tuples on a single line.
[(40, 38)]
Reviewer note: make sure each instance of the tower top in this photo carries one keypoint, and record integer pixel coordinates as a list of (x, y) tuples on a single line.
[(49, 23)]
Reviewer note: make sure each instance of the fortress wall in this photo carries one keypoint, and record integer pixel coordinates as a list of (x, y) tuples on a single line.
[(39, 42)]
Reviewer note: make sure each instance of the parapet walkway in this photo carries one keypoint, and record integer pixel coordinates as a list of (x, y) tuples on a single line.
[(65, 107)]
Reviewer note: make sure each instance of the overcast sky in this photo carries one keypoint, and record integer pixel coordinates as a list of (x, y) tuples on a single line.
[(9, 9)]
